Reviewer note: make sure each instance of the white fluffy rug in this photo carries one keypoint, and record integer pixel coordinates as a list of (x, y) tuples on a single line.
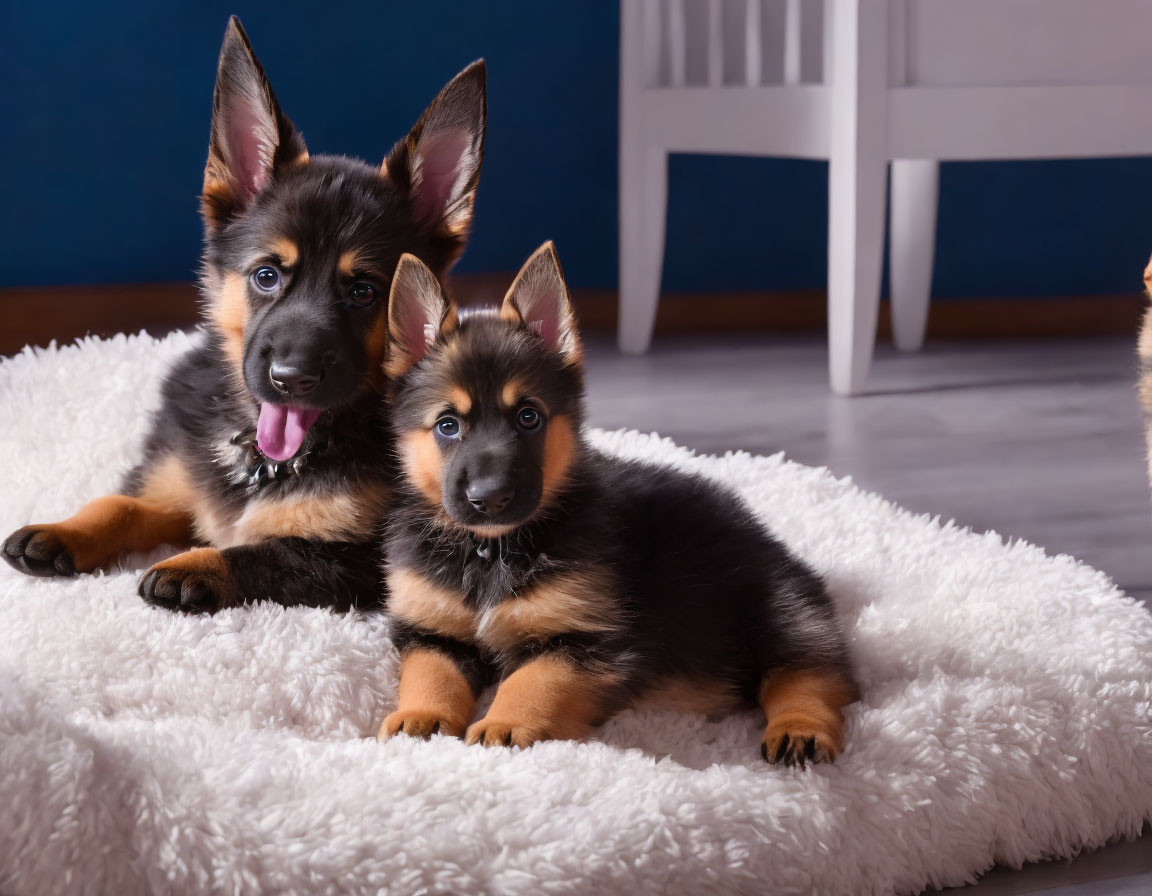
[(1005, 716)]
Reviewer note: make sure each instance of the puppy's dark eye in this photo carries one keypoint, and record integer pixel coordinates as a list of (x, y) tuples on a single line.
[(449, 427), (266, 278), (361, 295), (528, 419)]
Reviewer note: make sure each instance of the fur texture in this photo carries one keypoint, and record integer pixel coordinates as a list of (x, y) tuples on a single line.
[(1004, 717)]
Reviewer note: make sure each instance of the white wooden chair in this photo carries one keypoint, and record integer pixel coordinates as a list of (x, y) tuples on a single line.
[(862, 83)]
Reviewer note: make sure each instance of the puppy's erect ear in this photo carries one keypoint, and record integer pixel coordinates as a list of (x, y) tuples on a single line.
[(251, 138), (538, 299), (438, 164), (418, 312)]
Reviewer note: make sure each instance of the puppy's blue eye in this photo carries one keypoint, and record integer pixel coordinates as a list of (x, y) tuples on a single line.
[(361, 295), (266, 278), (449, 427), (528, 419)]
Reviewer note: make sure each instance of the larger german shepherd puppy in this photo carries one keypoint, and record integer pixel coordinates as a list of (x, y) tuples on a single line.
[(267, 448), (581, 582)]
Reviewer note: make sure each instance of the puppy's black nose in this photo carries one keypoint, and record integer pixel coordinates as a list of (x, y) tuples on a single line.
[(292, 382), (490, 495)]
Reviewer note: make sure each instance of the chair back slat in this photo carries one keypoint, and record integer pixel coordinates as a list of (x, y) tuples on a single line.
[(793, 37), (715, 43), (677, 44), (651, 40), (753, 43)]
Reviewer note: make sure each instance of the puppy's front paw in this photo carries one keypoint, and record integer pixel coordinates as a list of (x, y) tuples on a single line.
[(499, 733), (196, 581), (39, 551), (793, 742), (418, 723)]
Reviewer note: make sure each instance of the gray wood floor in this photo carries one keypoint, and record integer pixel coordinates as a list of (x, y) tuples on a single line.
[(1037, 440)]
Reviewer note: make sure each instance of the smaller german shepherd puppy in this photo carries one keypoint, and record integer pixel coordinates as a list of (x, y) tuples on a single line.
[(582, 583), (265, 456)]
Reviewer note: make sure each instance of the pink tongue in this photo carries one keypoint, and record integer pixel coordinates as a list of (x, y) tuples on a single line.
[(281, 429)]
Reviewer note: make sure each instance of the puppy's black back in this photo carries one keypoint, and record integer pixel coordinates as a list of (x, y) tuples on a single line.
[(712, 591)]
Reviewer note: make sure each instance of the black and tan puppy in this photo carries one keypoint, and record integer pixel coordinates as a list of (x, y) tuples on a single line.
[(267, 447), (581, 582)]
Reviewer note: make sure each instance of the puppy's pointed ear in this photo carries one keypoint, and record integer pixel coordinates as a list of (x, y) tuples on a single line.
[(418, 313), (251, 138), (438, 164), (538, 299)]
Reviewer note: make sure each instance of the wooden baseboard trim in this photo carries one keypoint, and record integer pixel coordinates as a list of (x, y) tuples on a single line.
[(797, 311), (961, 319), (37, 315)]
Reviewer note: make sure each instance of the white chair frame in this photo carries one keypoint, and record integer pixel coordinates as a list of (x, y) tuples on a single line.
[(865, 83)]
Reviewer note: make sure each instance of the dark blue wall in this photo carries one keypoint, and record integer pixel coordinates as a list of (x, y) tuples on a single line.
[(104, 118)]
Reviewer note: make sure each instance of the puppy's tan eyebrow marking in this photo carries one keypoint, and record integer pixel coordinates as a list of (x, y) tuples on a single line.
[(349, 262), (460, 399), (456, 401), (511, 394), (285, 250)]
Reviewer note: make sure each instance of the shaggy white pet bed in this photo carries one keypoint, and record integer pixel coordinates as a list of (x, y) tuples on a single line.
[(1005, 715)]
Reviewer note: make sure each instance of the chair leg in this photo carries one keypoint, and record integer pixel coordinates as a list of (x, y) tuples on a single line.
[(855, 256), (857, 188), (643, 208), (912, 241)]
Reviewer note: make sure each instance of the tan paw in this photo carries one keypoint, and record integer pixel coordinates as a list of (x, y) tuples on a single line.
[(418, 723), (41, 551), (797, 744), (496, 733), (197, 581)]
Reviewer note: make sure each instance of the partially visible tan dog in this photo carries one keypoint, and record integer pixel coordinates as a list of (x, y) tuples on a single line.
[(1144, 349)]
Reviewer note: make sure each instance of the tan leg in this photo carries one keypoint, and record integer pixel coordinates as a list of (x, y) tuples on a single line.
[(433, 696), (804, 708), (99, 533), (546, 699)]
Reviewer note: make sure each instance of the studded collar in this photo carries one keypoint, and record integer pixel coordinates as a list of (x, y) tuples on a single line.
[(252, 468)]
